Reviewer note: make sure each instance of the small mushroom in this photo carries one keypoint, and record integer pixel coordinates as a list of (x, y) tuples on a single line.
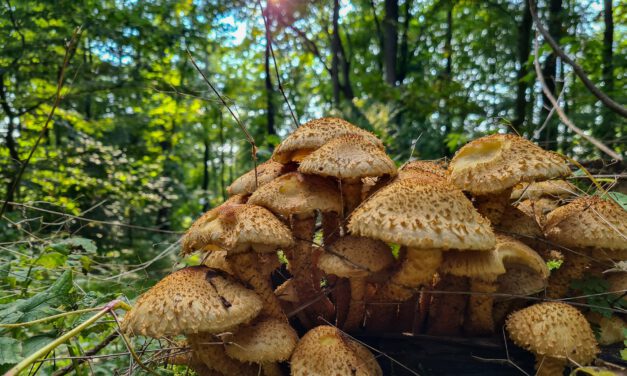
[(324, 350), (210, 350), (555, 333), (610, 329), (192, 300), (248, 183)]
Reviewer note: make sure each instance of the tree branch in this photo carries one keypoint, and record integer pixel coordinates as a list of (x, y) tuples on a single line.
[(607, 101), (561, 113), (87, 356)]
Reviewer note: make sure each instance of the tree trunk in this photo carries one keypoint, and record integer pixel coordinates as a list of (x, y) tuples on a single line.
[(335, 54), (404, 49), (269, 88), (549, 71), (606, 130), (205, 175), (447, 44), (524, 48), (390, 38)]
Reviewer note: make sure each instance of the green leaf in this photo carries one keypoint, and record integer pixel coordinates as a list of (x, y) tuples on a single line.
[(51, 260), (620, 198), (623, 354), (33, 344), (10, 350)]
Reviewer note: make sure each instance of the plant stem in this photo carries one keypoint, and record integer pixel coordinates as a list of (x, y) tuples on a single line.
[(59, 341), (21, 324)]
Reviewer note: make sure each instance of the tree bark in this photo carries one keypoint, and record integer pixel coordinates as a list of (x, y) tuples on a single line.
[(404, 48), (335, 54), (549, 71), (447, 44), (390, 39), (606, 130), (524, 48), (205, 175)]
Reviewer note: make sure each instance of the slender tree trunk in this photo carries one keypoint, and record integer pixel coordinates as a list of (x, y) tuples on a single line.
[(222, 166), (379, 34), (524, 48), (11, 145), (269, 88), (404, 48), (549, 72), (335, 54), (390, 38), (448, 72), (205, 170), (606, 130)]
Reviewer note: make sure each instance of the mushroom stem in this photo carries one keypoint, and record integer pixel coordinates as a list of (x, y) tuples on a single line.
[(446, 314), (572, 269), (212, 354), (330, 227), (351, 194), (418, 268), (357, 305), (549, 366), (480, 321), (245, 266), (300, 258), (271, 369), (342, 296), (493, 206)]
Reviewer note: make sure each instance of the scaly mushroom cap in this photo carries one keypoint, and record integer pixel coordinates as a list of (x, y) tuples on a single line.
[(353, 256), (553, 329), (286, 291), (192, 300), (423, 216), (217, 260), (298, 194), (494, 163), (266, 172), (425, 168), (610, 329), (589, 222), (270, 340), (315, 133), (508, 251), (348, 157), (325, 351), (520, 280), (519, 223), (237, 228), (550, 188)]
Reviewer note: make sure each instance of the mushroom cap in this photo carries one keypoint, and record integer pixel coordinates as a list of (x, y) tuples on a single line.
[(425, 216), (315, 133), (237, 228), (617, 282), (518, 222), (553, 329), (549, 188), (353, 256), (286, 291), (325, 351), (610, 329), (520, 280), (266, 172), (271, 340), (192, 300), (494, 163), (349, 156), (430, 169), (597, 223), (298, 194), (217, 260), (508, 251)]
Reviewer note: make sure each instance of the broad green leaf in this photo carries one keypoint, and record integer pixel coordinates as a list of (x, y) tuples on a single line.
[(51, 260), (33, 344), (10, 350)]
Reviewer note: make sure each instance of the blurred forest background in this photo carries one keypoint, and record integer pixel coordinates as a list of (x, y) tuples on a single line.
[(139, 146)]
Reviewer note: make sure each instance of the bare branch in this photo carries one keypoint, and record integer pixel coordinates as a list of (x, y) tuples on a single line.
[(607, 101), (560, 111)]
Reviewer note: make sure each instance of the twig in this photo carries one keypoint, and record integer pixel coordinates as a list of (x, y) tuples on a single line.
[(276, 67), (249, 138), (87, 356), (66, 60), (53, 317), (607, 101), (561, 113)]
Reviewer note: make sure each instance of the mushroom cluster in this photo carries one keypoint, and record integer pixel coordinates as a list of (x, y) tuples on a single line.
[(444, 249)]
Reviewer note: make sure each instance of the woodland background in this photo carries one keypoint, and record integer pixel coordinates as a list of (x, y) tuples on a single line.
[(139, 146)]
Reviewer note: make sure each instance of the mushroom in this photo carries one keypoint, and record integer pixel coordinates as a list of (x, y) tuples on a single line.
[(210, 350), (266, 342), (600, 227), (483, 268), (555, 333), (298, 198), (265, 173), (543, 197), (428, 217), (315, 133), (617, 283), (610, 329), (349, 158), (356, 258), (243, 231), (324, 350), (489, 167), (422, 168), (192, 300), (523, 226)]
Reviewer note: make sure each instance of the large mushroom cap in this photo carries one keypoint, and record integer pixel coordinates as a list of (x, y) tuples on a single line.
[(495, 163), (597, 223), (427, 216), (270, 340), (349, 156), (237, 228), (325, 351), (315, 133), (430, 169), (550, 188), (353, 256), (192, 300), (553, 329), (246, 184), (298, 194)]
